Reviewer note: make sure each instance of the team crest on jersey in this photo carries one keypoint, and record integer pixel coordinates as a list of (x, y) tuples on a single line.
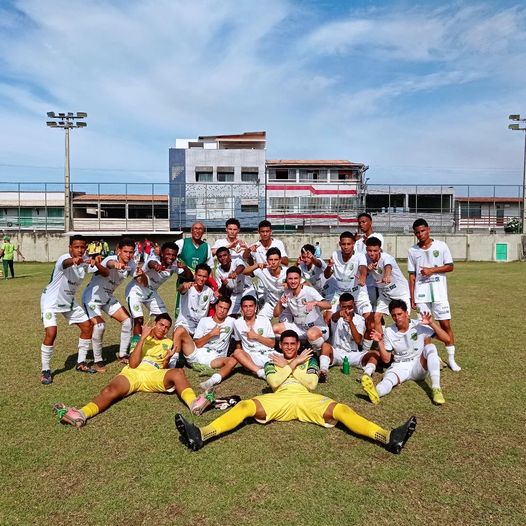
[(136, 308), (166, 347), (414, 336), (379, 270), (260, 331), (205, 297), (48, 315), (92, 306), (436, 253)]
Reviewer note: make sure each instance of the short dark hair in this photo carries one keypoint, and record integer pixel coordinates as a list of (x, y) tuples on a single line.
[(308, 248), (364, 214), (346, 296), (233, 221), (293, 270), (265, 224), (273, 251), (220, 250), (224, 299), (347, 235), (203, 266), (169, 245), (397, 304), (125, 242), (248, 297), (289, 333), (420, 222), (163, 316), (373, 242), (76, 237)]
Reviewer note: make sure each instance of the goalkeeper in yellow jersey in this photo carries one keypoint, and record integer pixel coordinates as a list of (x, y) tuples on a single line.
[(292, 377), (147, 371)]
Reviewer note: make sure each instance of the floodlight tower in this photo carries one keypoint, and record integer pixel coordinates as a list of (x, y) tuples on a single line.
[(518, 127), (67, 121)]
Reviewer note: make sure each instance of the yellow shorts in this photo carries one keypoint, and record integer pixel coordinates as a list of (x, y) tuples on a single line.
[(305, 407), (147, 380)]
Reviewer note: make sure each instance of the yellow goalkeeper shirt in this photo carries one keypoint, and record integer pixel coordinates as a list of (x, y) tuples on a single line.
[(303, 379)]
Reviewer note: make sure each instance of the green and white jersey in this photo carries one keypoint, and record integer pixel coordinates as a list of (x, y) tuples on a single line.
[(344, 273), (408, 345), (341, 334), (296, 307), (314, 275), (194, 305), (218, 344), (271, 287), (398, 288), (262, 326)]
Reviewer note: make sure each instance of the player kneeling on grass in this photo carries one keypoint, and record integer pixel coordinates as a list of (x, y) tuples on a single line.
[(292, 376), (408, 343), (348, 329), (209, 346), (146, 372)]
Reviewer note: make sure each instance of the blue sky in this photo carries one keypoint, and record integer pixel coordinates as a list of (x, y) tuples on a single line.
[(420, 92)]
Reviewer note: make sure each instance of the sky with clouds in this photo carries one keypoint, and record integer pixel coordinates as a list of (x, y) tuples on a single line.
[(421, 92)]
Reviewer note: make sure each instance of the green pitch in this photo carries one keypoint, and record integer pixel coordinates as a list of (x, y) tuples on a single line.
[(466, 463)]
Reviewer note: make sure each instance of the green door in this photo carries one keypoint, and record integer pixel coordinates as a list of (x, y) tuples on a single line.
[(501, 251), (26, 217)]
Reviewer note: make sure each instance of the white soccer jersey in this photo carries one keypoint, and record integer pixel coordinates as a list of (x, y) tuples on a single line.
[(220, 343), (314, 275), (408, 345), (296, 307), (194, 305), (260, 255), (341, 334), (429, 289), (59, 294), (398, 288), (271, 287), (344, 273), (236, 285), (262, 326), (101, 288), (236, 252), (359, 246)]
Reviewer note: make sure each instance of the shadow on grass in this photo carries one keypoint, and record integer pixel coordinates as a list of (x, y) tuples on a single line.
[(426, 388), (109, 355)]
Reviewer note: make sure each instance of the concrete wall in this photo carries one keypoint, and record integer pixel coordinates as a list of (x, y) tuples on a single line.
[(464, 247)]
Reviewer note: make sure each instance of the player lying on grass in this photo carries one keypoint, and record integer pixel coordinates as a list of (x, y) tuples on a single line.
[(292, 376), (146, 372), (408, 344), (59, 297)]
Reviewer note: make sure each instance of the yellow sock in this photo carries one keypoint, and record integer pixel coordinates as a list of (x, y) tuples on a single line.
[(230, 420), (90, 410), (188, 396), (358, 424)]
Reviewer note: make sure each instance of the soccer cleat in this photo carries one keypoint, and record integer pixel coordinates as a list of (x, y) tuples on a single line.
[(202, 401), (46, 378), (83, 367), (323, 376), (226, 402), (399, 436), (69, 415), (370, 389), (438, 397), (99, 367), (190, 435)]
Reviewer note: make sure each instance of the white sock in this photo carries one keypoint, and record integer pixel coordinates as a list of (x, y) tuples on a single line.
[(261, 373), (369, 369), (325, 361), (367, 344), (451, 358), (126, 334), (384, 387), (213, 380), (45, 355), (317, 343), (96, 339), (84, 346), (433, 366)]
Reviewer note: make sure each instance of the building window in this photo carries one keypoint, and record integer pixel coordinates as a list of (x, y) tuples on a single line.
[(283, 204), (470, 211), (312, 175), (344, 175), (315, 204), (249, 175), (113, 211), (282, 174), (204, 174), (225, 175), (249, 209), (344, 204)]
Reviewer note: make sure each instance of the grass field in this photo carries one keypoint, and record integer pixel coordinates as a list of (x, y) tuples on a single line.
[(466, 463)]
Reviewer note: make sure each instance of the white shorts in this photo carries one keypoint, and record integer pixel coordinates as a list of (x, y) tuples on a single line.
[(382, 305), (96, 308), (439, 311), (362, 303), (259, 358), (267, 310), (76, 315), (302, 333), (355, 357), (152, 302), (203, 356), (411, 370), (186, 324)]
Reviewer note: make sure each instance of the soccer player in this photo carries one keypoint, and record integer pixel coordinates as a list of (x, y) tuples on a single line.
[(292, 377), (232, 242), (7, 255), (387, 277), (254, 338), (59, 296), (312, 267), (427, 263), (303, 305), (98, 297), (408, 344), (271, 276), (347, 337), (210, 343), (193, 250), (145, 372), (258, 251), (143, 290), (231, 280)]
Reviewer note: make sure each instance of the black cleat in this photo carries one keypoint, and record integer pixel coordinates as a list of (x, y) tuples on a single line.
[(190, 435), (324, 376), (400, 435)]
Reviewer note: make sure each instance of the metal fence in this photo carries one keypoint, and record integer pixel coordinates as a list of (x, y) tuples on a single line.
[(161, 206)]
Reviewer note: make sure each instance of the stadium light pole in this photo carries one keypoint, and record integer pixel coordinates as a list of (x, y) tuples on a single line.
[(517, 127), (66, 121)]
